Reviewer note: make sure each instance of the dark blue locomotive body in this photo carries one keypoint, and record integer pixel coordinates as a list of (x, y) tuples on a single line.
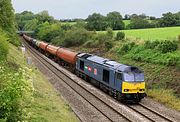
[(120, 80)]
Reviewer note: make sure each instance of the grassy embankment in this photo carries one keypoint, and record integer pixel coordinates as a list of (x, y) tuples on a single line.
[(162, 79), (47, 104)]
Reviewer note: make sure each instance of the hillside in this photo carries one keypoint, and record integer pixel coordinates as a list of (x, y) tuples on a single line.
[(40, 102)]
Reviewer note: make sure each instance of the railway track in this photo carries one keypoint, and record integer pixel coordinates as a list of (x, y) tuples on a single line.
[(106, 110), (112, 114), (149, 114)]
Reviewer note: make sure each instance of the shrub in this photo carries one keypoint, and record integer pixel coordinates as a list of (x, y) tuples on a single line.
[(120, 36), (109, 33), (151, 44), (167, 46), (76, 37), (91, 44), (14, 91), (108, 45), (126, 47), (102, 38)]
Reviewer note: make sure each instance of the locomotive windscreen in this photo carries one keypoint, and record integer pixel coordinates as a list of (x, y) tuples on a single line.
[(133, 76)]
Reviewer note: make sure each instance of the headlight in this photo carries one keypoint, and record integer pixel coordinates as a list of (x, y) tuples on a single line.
[(142, 90), (126, 90)]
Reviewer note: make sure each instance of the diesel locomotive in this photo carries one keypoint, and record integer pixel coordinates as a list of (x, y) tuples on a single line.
[(123, 82)]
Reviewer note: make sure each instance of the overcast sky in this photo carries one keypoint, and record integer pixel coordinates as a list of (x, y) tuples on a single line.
[(63, 9)]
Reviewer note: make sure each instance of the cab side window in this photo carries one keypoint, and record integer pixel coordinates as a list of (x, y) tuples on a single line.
[(119, 76)]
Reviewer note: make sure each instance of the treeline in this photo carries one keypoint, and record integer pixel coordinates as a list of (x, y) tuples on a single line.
[(114, 20)]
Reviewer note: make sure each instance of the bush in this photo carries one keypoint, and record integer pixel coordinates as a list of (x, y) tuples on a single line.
[(108, 45), (162, 46), (151, 44), (76, 37), (14, 91), (91, 44), (167, 46), (126, 47), (102, 38), (120, 36), (109, 33)]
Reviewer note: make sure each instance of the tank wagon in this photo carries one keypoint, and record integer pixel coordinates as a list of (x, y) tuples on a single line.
[(124, 82)]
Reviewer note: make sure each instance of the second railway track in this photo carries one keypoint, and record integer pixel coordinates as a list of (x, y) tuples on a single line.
[(150, 114)]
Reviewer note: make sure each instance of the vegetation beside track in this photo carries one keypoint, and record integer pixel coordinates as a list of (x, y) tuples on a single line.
[(46, 104), (25, 95)]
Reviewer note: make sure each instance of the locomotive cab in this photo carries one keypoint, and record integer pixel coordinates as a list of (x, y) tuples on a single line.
[(132, 83)]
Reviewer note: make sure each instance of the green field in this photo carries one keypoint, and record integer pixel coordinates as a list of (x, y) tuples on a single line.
[(151, 33), (126, 22), (70, 23), (154, 33)]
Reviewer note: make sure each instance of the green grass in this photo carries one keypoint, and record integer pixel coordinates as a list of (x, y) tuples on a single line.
[(126, 22), (154, 33), (165, 96), (150, 34), (47, 105), (70, 23)]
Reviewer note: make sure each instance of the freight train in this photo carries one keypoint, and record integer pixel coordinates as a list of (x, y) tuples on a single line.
[(123, 82)]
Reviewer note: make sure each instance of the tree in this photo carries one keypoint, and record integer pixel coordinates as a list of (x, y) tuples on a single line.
[(138, 22), (7, 18), (177, 16), (114, 20), (22, 18), (76, 36), (152, 18), (167, 20), (127, 17), (44, 16), (30, 25), (47, 31), (133, 16), (96, 21), (143, 16)]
